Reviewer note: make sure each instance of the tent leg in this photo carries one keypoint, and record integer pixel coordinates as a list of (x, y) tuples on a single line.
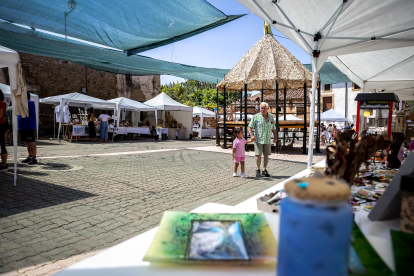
[(224, 125), (245, 113), (312, 111), (15, 134), (318, 134), (241, 104), (60, 118), (284, 116), (305, 118), (277, 117)]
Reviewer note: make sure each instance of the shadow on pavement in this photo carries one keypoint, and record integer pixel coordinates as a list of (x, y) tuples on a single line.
[(30, 194)]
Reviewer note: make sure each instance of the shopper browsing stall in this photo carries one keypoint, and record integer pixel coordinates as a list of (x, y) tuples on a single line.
[(2, 132), (27, 128), (104, 125), (91, 125)]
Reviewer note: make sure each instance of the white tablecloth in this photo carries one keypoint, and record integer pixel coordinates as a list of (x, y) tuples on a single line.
[(126, 258), (136, 130)]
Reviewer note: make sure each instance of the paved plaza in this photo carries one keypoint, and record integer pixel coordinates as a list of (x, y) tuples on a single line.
[(83, 198)]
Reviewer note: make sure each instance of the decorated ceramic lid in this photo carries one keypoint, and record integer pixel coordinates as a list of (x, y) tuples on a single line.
[(319, 189)]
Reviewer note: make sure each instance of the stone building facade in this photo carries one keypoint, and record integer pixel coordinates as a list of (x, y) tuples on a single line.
[(50, 77)]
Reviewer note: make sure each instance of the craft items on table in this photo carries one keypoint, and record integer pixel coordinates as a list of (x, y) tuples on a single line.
[(194, 237), (315, 225), (407, 204)]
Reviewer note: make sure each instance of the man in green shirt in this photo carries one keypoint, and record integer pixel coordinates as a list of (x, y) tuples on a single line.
[(263, 124), (9, 112)]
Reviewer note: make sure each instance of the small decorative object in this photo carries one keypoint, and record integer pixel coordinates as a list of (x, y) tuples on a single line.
[(315, 226), (407, 204), (212, 237), (344, 162)]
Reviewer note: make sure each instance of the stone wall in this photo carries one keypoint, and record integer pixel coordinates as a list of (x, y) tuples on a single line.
[(50, 77)]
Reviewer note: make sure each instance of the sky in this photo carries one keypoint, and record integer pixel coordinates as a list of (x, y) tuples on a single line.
[(223, 46)]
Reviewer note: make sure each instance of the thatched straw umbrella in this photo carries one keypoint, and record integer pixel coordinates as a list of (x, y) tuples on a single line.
[(269, 67)]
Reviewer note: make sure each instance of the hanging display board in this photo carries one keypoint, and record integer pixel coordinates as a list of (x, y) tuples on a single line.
[(375, 104)]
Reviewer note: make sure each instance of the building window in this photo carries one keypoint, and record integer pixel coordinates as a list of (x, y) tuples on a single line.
[(327, 103), (355, 87), (128, 77), (300, 111), (327, 88)]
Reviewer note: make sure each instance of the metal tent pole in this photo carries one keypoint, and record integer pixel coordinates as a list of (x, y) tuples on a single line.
[(218, 119), (224, 122), (262, 92), (318, 130), (312, 113), (284, 116), (277, 117), (305, 119), (245, 111)]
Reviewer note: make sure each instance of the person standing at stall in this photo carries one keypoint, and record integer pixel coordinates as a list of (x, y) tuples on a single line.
[(3, 132), (263, 124), (91, 124), (27, 128), (9, 113), (103, 131)]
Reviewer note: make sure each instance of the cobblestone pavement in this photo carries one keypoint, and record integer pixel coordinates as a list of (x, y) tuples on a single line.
[(110, 193)]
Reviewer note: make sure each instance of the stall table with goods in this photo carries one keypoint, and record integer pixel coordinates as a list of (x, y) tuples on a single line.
[(318, 215)]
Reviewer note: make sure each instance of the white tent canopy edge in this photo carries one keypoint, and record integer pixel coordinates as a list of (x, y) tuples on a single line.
[(326, 28)]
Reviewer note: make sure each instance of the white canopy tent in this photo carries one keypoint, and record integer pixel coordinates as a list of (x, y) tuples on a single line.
[(325, 28), (79, 100), (181, 112), (333, 116), (202, 112), (33, 97), (384, 71), (131, 105), (289, 117), (10, 59)]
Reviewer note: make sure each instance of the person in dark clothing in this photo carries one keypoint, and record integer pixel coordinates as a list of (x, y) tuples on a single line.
[(91, 125), (27, 128), (3, 132)]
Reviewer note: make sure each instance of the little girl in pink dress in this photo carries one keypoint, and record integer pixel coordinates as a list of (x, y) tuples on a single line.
[(239, 152)]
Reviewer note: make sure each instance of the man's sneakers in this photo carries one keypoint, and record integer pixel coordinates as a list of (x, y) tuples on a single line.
[(30, 160), (27, 160), (265, 173), (234, 174)]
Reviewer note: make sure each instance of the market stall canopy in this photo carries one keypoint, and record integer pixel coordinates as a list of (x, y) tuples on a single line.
[(7, 92), (34, 42), (333, 116), (329, 74), (79, 100), (199, 111), (290, 117), (131, 104), (264, 64), (164, 102), (129, 25), (381, 71), (341, 27)]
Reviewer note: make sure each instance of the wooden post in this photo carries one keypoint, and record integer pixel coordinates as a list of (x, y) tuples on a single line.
[(218, 119), (284, 116), (241, 104), (245, 111)]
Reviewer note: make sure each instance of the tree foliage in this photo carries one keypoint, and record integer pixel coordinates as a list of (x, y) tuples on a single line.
[(197, 93), (411, 104)]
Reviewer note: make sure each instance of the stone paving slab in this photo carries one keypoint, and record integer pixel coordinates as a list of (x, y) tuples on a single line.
[(53, 219)]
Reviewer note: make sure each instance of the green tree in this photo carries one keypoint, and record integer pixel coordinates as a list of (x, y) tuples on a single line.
[(197, 93), (411, 104)]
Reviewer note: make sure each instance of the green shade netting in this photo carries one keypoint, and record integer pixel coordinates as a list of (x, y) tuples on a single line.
[(38, 43), (329, 74), (130, 25)]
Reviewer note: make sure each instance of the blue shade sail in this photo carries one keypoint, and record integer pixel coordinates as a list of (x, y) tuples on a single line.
[(42, 44), (330, 74), (130, 25)]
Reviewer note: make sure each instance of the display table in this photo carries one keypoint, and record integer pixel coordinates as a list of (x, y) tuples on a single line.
[(206, 132), (126, 258)]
